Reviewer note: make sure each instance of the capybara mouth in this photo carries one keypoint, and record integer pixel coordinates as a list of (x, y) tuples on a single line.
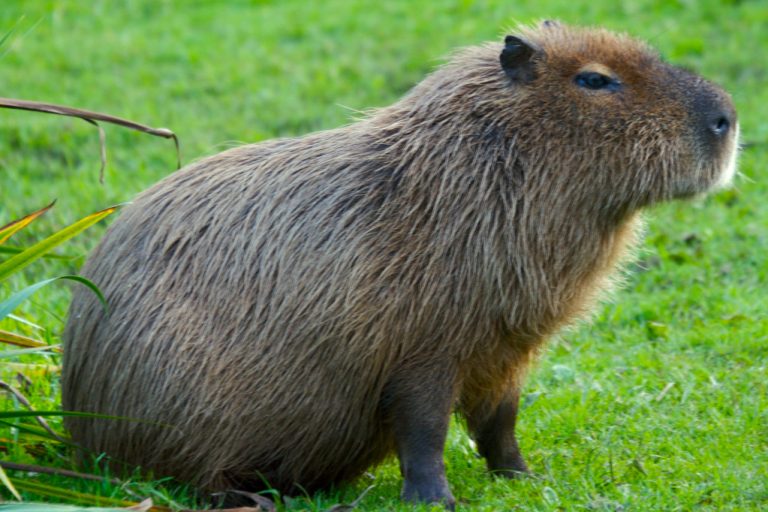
[(728, 169), (716, 175)]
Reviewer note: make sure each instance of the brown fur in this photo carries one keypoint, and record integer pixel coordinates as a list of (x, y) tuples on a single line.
[(285, 305)]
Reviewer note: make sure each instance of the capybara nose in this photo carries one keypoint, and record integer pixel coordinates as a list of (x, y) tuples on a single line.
[(720, 124), (713, 112)]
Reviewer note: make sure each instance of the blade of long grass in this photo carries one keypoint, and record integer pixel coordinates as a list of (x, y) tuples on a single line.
[(11, 249), (102, 147), (17, 298), (46, 507), (7, 354), (8, 484), (63, 110), (76, 497), (51, 507), (3, 47), (6, 415), (52, 491), (91, 117), (33, 468), (35, 433), (26, 322), (8, 34), (20, 341), (9, 415), (9, 229), (32, 369), (23, 259), (25, 402)]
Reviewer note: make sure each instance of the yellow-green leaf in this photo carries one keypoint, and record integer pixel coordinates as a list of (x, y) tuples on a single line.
[(19, 340), (10, 249), (9, 229), (23, 259), (8, 484)]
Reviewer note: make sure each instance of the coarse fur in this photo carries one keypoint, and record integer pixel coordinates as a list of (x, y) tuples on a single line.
[(284, 312)]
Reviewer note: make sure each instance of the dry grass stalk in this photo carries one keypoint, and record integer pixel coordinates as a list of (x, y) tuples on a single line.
[(92, 117)]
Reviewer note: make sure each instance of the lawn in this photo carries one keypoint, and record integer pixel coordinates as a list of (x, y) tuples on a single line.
[(660, 402)]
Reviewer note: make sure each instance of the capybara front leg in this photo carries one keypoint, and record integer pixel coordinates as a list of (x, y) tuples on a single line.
[(418, 405), (493, 428)]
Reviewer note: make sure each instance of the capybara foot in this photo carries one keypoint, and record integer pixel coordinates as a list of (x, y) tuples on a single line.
[(429, 492)]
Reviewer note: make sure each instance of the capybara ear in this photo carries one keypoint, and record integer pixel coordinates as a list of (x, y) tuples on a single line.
[(517, 59)]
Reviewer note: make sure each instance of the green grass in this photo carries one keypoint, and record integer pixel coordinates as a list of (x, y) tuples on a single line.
[(597, 427)]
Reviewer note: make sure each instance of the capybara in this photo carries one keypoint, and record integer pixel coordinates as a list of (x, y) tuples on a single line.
[(290, 313)]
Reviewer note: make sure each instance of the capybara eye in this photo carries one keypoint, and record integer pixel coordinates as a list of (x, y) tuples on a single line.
[(593, 80)]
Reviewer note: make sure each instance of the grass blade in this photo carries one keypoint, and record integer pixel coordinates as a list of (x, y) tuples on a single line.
[(26, 322), (25, 402), (46, 507), (35, 433), (8, 34), (62, 110), (10, 249), (6, 354), (20, 341), (6, 415), (17, 298), (91, 117), (74, 497), (50, 507), (9, 229), (9, 415), (33, 468), (3, 47), (8, 484), (52, 491), (31, 369), (16, 263)]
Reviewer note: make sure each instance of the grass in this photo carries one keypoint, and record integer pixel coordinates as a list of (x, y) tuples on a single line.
[(659, 403)]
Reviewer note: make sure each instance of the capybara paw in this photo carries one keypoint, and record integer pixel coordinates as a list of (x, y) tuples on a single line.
[(437, 493), (514, 467), (509, 473)]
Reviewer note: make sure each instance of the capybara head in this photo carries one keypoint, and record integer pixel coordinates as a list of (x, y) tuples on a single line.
[(596, 116), (644, 129), (292, 312)]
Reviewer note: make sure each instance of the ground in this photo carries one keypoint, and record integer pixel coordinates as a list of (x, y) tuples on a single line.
[(659, 403)]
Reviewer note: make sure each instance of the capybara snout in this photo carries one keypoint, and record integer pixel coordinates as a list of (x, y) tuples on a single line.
[(299, 309)]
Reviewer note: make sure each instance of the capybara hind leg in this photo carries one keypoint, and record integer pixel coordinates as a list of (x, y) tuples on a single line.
[(493, 429), (418, 405)]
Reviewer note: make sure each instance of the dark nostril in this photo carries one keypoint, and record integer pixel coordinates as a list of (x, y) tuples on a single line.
[(720, 126)]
